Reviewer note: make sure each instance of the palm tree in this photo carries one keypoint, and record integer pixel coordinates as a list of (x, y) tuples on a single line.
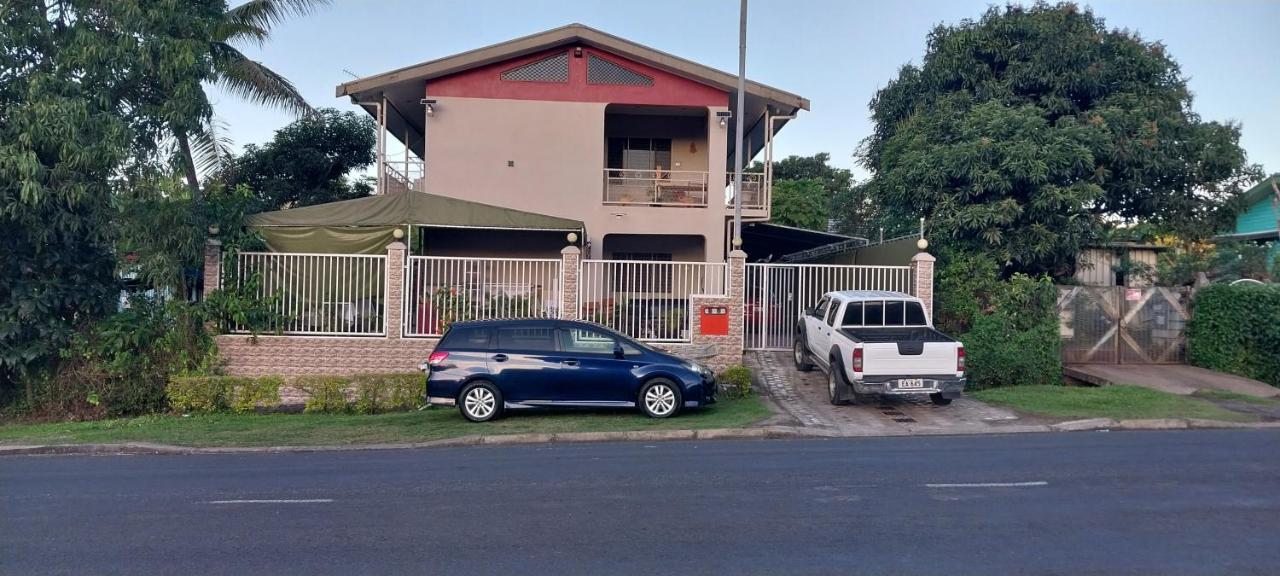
[(250, 22)]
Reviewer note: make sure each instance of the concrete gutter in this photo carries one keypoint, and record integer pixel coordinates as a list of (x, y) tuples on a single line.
[(761, 433)]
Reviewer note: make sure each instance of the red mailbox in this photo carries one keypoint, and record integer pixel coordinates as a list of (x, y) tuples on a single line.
[(714, 321)]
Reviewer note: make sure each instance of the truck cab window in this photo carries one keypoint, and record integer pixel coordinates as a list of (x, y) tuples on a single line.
[(874, 315), (915, 314), (852, 314), (820, 308), (831, 313), (893, 313)]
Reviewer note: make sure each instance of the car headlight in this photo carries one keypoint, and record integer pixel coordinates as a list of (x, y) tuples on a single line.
[(696, 367)]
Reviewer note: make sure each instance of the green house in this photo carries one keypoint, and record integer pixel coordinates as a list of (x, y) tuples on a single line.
[(1260, 220)]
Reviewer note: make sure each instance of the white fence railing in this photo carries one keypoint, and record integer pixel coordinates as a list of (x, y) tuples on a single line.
[(775, 295), (317, 294), (646, 300), (440, 290)]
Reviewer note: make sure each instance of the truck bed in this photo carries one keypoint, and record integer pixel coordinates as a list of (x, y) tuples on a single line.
[(881, 335)]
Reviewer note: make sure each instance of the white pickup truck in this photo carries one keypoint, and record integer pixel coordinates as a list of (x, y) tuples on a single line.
[(878, 342)]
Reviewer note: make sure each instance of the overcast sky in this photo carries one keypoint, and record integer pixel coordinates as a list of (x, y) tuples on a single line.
[(835, 53)]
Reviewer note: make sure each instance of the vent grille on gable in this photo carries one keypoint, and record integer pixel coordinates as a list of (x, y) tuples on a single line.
[(601, 71), (553, 69)]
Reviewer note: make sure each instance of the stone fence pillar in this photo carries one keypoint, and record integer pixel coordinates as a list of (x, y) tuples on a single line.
[(212, 265), (736, 292), (394, 305), (922, 279), (570, 268)]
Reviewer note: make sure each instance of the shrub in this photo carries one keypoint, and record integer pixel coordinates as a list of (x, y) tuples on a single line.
[(1009, 327), (326, 394), (735, 381), (1236, 329), (199, 393), (376, 393), (218, 393), (250, 394)]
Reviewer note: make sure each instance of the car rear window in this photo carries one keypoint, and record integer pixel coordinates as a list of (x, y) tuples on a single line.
[(852, 314), (468, 338), (532, 338), (915, 314), (874, 315), (893, 314)]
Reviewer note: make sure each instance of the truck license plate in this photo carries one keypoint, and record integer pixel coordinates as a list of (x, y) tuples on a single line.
[(911, 383)]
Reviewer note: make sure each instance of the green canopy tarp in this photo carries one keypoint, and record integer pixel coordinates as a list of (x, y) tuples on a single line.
[(365, 225)]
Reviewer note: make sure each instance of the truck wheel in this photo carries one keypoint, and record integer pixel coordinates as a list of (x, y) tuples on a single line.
[(801, 355), (836, 385), (939, 400)]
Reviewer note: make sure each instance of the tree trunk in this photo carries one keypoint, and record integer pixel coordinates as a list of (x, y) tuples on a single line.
[(189, 167)]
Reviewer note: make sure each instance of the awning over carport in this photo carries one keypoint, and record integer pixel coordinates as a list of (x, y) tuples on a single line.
[(366, 225)]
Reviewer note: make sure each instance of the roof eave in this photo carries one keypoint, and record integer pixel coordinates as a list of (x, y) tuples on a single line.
[(561, 36)]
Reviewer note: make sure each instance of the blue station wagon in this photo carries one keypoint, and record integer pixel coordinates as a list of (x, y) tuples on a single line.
[(488, 366)]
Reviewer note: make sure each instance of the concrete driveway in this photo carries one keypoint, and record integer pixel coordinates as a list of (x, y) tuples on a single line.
[(803, 395)]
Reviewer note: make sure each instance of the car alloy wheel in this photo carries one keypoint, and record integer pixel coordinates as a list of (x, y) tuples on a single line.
[(481, 402), (831, 384), (660, 399)]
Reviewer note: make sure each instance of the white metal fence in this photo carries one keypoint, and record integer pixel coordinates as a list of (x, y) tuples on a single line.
[(776, 295), (440, 290), (316, 294), (644, 299)]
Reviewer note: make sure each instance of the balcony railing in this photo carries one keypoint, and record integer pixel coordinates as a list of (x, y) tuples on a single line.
[(403, 175), (755, 194), (655, 187)]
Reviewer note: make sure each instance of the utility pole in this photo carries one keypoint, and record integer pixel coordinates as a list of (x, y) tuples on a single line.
[(737, 122)]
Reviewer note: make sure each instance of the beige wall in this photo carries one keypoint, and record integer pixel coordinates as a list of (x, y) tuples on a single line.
[(557, 151)]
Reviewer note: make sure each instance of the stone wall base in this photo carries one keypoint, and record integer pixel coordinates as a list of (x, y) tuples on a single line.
[(317, 355)]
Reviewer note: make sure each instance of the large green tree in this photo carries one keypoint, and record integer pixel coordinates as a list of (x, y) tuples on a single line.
[(73, 96), (845, 204), (1023, 131), (308, 162), (198, 143)]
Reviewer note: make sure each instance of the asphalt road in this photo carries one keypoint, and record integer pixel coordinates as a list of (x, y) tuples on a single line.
[(1185, 502)]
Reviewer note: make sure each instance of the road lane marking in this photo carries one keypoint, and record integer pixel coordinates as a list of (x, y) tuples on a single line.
[(302, 501), (991, 485)]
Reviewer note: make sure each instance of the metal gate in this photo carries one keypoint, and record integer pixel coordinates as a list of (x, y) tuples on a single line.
[(776, 295), (1118, 325)]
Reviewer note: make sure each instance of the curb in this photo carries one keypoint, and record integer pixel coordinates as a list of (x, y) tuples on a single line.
[(1158, 424), (760, 433), (768, 432)]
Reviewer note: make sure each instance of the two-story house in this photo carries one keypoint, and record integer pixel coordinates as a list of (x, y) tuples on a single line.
[(634, 143)]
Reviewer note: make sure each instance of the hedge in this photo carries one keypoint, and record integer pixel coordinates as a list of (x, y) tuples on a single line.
[(1236, 329), (219, 393), (361, 393)]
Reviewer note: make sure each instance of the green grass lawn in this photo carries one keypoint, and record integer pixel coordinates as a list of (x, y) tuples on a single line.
[(1119, 402), (337, 429)]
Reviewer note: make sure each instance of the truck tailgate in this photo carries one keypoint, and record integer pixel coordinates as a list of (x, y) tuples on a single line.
[(885, 359)]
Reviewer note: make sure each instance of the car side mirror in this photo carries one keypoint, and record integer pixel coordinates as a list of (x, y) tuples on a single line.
[(810, 311), (618, 352)]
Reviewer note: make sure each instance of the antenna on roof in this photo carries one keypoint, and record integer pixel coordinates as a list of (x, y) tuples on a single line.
[(350, 73)]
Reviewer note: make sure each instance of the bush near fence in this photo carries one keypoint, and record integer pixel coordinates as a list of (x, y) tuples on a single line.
[(1236, 329), (1009, 327), (735, 381), (221, 393), (360, 393)]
